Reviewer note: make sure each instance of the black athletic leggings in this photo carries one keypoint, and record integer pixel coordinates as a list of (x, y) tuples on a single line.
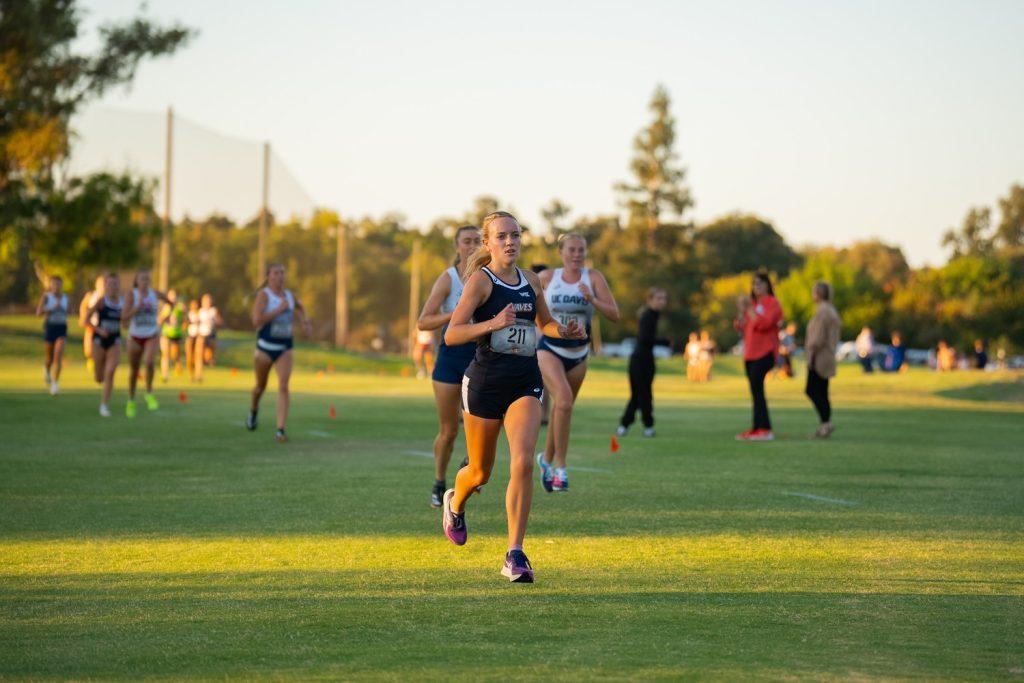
[(641, 395), (817, 391), (756, 372)]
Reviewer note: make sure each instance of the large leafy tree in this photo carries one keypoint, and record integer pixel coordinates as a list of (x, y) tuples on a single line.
[(44, 80), (739, 243)]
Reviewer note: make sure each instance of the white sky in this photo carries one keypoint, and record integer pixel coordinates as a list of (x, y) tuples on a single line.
[(836, 121)]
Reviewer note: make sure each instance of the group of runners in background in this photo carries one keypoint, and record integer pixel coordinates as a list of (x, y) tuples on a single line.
[(155, 321)]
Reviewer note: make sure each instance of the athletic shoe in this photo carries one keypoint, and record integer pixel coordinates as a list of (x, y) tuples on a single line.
[(280, 436), (250, 421), (54, 388), (745, 436), (517, 567), (436, 494), (453, 523), (130, 409), (546, 474), (560, 482), (621, 431), (151, 402), (649, 432), (761, 435), (104, 411)]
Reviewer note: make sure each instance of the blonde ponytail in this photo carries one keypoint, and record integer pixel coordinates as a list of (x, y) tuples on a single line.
[(482, 256)]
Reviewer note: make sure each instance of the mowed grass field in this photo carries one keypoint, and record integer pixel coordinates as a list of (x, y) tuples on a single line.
[(178, 545)]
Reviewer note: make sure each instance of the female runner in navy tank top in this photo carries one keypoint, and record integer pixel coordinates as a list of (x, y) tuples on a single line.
[(105, 320), (273, 316), (501, 307), (452, 361)]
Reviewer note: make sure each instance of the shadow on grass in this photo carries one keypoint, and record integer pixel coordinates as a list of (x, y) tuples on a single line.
[(1008, 392), (397, 624)]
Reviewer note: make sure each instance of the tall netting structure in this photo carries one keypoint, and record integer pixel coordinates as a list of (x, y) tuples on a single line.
[(211, 172)]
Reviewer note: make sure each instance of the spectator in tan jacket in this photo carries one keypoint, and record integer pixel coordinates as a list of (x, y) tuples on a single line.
[(820, 347)]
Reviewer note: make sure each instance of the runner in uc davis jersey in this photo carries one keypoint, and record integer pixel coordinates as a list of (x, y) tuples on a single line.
[(573, 292)]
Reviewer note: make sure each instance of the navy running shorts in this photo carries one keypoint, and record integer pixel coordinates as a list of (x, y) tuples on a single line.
[(487, 393), (452, 362), (52, 333)]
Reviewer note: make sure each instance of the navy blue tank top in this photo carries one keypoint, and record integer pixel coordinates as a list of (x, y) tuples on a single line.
[(512, 348), (109, 317)]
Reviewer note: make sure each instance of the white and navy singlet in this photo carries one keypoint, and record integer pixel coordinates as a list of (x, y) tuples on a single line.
[(505, 367), (55, 324), (277, 336), (143, 324), (566, 302)]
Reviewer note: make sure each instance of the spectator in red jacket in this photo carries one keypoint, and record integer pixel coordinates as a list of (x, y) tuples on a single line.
[(760, 316)]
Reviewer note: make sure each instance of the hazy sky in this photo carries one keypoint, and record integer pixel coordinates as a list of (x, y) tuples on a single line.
[(834, 120)]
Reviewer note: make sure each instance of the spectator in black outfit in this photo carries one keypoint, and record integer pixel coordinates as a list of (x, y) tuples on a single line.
[(641, 365), (980, 355)]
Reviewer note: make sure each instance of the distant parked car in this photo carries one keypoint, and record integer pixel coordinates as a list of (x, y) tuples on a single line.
[(624, 349)]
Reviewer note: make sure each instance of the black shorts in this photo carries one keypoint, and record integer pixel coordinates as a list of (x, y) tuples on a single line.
[(106, 342), (52, 333), (487, 392)]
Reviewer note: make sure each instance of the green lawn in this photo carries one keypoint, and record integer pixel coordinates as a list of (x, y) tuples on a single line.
[(181, 546)]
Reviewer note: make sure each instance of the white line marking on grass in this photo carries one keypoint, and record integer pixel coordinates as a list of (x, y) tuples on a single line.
[(420, 454), (316, 432), (823, 499), (576, 468)]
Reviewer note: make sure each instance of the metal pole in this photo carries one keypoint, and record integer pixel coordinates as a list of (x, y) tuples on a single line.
[(261, 259), (341, 287), (163, 275), (414, 294)]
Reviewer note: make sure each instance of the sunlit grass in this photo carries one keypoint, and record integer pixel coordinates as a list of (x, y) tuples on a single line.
[(181, 546)]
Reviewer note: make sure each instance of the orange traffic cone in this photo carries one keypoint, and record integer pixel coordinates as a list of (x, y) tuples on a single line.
[(615, 444), (332, 412), (234, 372), (319, 374), (182, 397)]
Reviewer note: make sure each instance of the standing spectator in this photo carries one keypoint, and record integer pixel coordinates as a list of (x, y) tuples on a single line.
[(896, 356), (707, 355), (641, 365), (423, 354), (822, 338), (945, 357), (787, 347), (980, 355), (759, 317), (865, 347), (693, 358)]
